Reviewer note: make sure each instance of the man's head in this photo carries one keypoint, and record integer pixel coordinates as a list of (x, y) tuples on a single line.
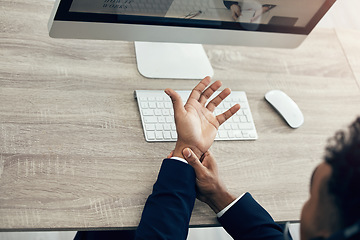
[(334, 202)]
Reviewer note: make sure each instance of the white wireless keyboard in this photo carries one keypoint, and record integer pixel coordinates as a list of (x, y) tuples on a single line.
[(157, 116)]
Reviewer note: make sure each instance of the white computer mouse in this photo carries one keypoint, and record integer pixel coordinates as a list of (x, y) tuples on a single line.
[(287, 108)]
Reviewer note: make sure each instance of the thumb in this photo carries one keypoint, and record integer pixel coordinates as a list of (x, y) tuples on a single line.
[(176, 100), (192, 159)]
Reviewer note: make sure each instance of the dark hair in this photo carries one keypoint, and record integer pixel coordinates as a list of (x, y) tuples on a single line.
[(343, 155)]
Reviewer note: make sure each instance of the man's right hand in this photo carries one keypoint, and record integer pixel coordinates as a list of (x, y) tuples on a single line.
[(235, 11), (211, 189)]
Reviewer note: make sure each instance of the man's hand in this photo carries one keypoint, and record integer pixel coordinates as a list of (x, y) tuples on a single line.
[(235, 11), (211, 189), (196, 125)]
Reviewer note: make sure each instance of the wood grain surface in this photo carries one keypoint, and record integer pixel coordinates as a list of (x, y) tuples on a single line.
[(72, 150)]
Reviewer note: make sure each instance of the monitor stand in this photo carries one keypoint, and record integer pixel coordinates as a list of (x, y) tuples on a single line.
[(172, 60)]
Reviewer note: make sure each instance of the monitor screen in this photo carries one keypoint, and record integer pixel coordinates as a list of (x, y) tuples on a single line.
[(258, 23), (283, 16)]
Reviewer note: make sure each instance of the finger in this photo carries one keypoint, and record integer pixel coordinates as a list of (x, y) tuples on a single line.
[(209, 161), (176, 100), (226, 115), (191, 158), (170, 154), (234, 16), (198, 89), (236, 12), (209, 91), (218, 99)]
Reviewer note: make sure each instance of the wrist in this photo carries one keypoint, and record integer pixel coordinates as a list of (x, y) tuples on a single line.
[(220, 200), (180, 146)]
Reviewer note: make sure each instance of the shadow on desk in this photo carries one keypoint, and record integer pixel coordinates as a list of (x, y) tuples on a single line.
[(210, 233)]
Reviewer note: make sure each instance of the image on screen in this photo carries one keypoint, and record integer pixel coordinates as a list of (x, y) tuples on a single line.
[(293, 12)]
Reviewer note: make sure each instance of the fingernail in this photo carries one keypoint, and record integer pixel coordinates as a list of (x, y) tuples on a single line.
[(187, 153)]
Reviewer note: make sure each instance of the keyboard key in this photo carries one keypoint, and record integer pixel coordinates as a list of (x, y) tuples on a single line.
[(166, 112), (235, 118), (167, 135), (150, 119), (244, 105), (152, 105), (226, 105), (158, 112), (150, 127), (240, 112), (245, 126), (151, 135), (169, 119), (223, 134), (245, 134), (168, 105), (148, 112), (174, 135), (160, 105), (238, 134), (159, 135), (161, 119), (144, 105), (231, 134)]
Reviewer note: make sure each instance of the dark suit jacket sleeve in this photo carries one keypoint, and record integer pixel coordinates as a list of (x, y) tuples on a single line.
[(246, 219), (229, 3), (167, 211)]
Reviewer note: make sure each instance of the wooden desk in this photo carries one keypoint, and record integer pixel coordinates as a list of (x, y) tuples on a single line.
[(72, 150)]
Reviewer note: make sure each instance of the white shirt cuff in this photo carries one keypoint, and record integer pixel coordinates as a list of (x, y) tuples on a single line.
[(219, 214), (179, 159)]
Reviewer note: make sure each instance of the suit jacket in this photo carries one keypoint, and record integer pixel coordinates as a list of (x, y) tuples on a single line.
[(246, 219), (167, 211)]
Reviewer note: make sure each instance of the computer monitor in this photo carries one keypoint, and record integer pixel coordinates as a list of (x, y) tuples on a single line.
[(168, 33)]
